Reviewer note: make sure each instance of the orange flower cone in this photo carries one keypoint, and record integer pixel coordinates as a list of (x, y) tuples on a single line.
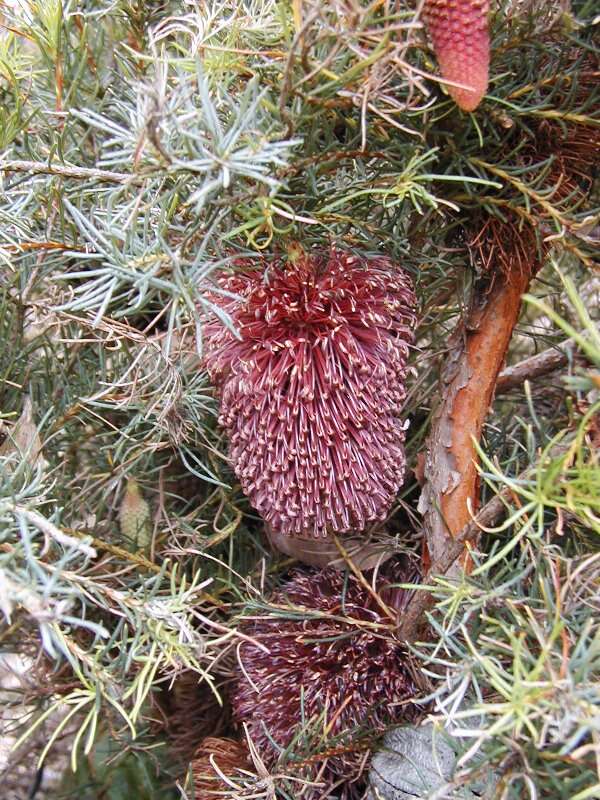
[(459, 32)]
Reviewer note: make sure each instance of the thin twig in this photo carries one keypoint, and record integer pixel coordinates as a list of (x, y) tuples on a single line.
[(65, 171), (136, 559), (49, 529), (362, 580)]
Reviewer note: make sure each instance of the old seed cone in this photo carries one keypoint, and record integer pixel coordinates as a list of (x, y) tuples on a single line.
[(334, 669), (215, 758)]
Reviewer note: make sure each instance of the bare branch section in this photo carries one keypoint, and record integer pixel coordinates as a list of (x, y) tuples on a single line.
[(477, 353), (534, 367), (49, 529)]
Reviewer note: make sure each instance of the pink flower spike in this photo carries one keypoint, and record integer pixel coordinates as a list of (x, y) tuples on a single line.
[(312, 390), (459, 32)]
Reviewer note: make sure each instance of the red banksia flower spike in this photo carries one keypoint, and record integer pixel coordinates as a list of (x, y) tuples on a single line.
[(460, 36), (312, 387), (334, 662)]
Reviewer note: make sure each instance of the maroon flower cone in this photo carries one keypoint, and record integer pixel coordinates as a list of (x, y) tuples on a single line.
[(312, 390), (459, 32), (334, 675)]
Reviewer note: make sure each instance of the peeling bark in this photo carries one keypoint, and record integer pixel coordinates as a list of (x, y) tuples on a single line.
[(476, 355), (413, 621)]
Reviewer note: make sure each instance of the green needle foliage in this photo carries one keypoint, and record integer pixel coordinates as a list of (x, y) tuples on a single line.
[(146, 146)]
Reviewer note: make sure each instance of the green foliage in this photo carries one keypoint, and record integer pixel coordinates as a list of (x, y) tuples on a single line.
[(116, 774), (517, 658)]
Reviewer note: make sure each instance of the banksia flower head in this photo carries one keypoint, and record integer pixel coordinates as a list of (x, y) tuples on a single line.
[(312, 390), (335, 669), (459, 32), (135, 518)]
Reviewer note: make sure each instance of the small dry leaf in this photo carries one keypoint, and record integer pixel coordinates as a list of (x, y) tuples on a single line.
[(419, 762), (135, 518), (23, 441)]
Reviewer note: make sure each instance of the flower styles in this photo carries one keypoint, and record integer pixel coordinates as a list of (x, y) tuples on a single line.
[(331, 668), (459, 32), (312, 388)]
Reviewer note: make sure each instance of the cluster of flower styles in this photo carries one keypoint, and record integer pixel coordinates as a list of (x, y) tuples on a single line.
[(334, 665), (459, 32), (312, 387)]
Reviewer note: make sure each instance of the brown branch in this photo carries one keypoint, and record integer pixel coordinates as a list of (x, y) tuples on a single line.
[(534, 367), (423, 599), (413, 620), (477, 351)]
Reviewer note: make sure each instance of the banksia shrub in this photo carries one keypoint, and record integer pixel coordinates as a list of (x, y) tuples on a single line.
[(145, 145), (459, 33), (312, 390), (331, 671)]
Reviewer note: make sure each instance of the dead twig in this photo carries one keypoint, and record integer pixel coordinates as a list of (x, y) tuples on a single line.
[(66, 171), (534, 367)]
